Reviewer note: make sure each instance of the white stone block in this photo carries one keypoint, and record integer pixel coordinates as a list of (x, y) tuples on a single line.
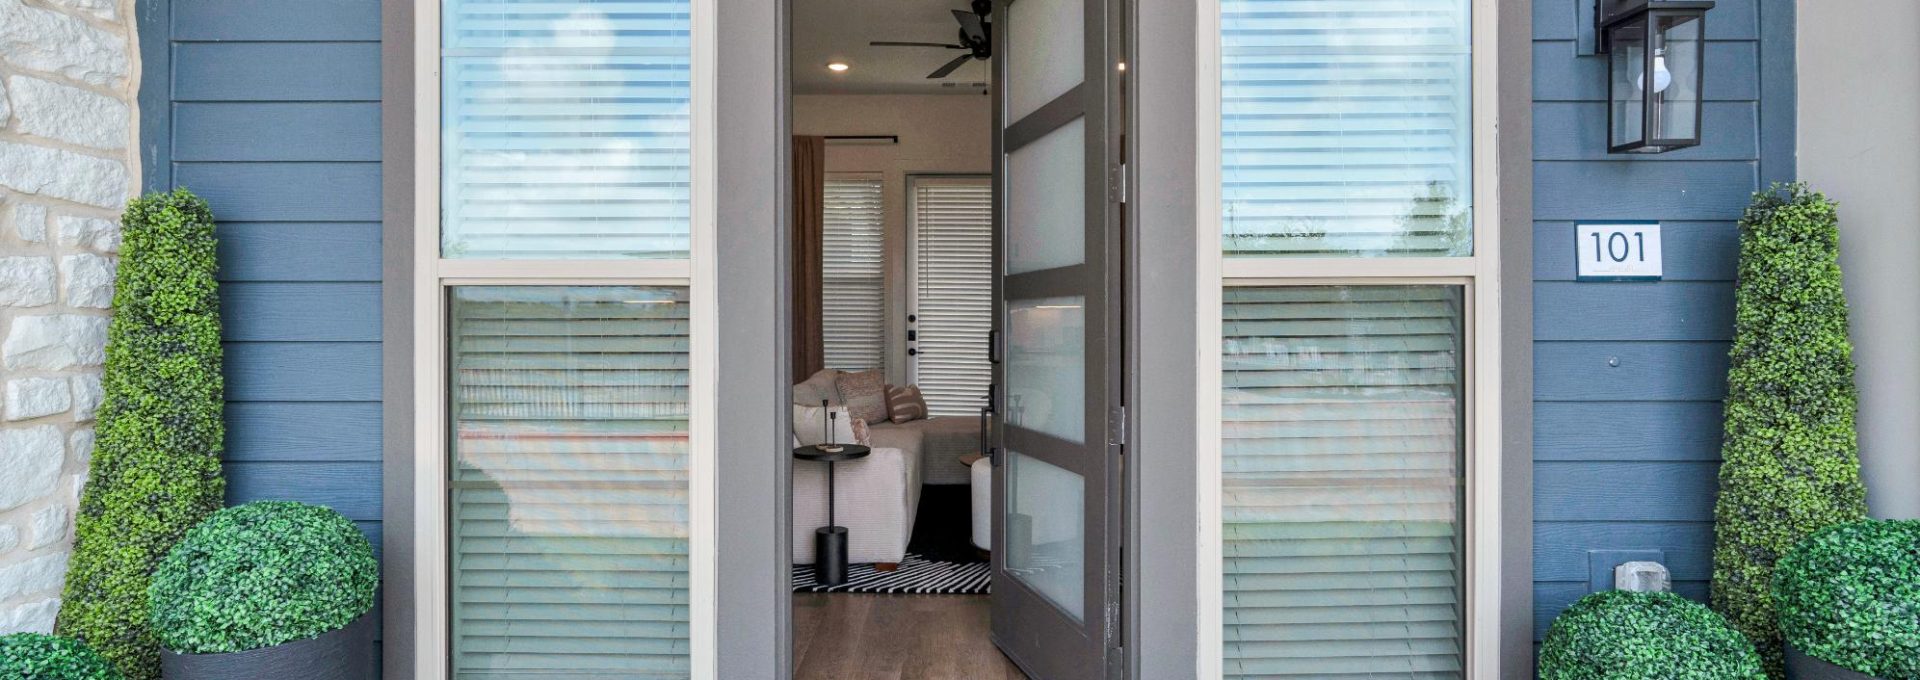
[(91, 233), (30, 222), (37, 575), (62, 174), (80, 447), (102, 9), (44, 40), (36, 397), (30, 461), (26, 281), (69, 114), (89, 280), (9, 537), (35, 617), (4, 110), (49, 526), (1642, 577), (55, 342), (86, 397)]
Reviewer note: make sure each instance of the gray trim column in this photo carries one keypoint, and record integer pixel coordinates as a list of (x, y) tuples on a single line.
[(396, 339), (755, 597), (1515, 159), (1162, 265)]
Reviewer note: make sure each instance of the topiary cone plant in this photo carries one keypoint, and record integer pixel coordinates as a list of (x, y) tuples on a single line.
[(155, 471), (1790, 461)]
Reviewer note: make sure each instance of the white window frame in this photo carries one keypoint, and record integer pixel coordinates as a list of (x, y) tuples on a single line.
[(434, 275), (886, 295), (1479, 277)]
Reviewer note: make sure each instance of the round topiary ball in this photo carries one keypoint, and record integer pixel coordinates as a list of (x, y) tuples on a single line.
[(50, 657), (259, 575), (1849, 594), (1620, 635)]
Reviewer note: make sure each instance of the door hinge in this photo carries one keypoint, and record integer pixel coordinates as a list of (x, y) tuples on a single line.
[(1117, 183), (1117, 425)]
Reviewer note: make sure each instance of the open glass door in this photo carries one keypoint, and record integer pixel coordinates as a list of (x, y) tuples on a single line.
[(1057, 438)]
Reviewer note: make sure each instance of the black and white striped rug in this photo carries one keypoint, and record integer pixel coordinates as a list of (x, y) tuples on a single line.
[(916, 575)]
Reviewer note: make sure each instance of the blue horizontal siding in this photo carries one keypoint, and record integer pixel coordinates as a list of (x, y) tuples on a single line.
[(270, 109), (1629, 377)]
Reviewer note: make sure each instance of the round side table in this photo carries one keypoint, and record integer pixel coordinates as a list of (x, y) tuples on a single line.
[(830, 541)]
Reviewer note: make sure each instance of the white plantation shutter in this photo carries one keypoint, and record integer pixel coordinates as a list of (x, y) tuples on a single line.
[(569, 512), (953, 292), (853, 274), (1341, 482), (565, 129), (1346, 128)]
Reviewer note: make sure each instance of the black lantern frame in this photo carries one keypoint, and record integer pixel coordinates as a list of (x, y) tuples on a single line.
[(1641, 22)]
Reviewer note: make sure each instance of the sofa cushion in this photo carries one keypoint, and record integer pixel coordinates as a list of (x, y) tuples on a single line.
[(865, 394), (818, 387), (810, 425), (937, 441)]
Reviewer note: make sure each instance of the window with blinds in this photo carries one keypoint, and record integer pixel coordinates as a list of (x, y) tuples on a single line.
[(952, 273), (1342, 473), (568, 490), (565, 129), (853, 276), (1346, 128)]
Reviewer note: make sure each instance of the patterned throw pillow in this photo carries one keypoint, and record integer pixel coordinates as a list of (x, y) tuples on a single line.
[(905, 403), (865, 394)]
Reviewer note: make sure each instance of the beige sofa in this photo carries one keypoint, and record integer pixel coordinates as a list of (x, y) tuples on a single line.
[(938, 442)]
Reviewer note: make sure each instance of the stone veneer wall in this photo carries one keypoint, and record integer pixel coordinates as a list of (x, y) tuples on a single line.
[(68, 162)]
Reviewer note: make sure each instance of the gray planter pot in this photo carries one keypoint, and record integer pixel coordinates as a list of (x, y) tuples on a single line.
[(345, 654), (1803, 667)]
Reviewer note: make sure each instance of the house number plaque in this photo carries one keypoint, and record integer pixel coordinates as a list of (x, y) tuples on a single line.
[(1617, 251)]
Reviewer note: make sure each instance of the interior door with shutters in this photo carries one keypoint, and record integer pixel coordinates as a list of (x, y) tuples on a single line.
[(1058, 431)]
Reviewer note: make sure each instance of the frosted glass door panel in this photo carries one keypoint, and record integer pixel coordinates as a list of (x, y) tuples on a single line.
[(1341, 482), (1047, 201), (1047, 366), (568, 508), (1046, 50), (1046, 531), (1346, 128), (565, 129)]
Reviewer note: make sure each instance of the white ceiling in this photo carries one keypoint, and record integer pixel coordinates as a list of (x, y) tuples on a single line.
[(838, 30)]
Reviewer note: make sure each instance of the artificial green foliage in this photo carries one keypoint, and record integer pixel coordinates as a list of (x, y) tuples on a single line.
[(156, 463), (32, 656), (261, 574), (1620, 635), (1850, 595), (1790, 463)]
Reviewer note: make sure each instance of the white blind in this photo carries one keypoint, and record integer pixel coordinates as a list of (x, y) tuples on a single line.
[(569, 514), (565, 129), (1341, 482), (1346, 127), (953, 292), (853, 274)]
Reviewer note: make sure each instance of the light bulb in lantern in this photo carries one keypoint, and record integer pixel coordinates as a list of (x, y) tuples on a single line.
[(1661, 76)]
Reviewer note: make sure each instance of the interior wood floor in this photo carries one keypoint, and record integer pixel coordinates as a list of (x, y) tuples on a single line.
[(895, 637)]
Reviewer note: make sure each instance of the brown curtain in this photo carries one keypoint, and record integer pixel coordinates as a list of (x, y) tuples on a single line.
[(809, 215)]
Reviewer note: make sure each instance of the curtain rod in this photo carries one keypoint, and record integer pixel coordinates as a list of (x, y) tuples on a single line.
[(865, 139)]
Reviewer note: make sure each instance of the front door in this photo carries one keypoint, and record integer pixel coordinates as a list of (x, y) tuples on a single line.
[(1059, 429)]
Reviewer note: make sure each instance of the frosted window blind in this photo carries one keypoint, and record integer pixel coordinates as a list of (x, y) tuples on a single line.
[(1346, 128), (565, 129), (1341, 450), (568, 503), (953, 291), (853, 274)]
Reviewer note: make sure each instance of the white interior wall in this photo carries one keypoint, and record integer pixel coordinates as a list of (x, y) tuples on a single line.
[(1859, 142), (939, 134)]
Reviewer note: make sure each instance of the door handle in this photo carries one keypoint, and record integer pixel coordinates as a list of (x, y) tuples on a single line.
[(993, 346)]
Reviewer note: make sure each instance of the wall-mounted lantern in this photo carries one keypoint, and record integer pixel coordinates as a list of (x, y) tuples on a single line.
[(1653, 104)]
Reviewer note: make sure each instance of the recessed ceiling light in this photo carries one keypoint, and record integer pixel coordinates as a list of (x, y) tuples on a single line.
[(837, 66)]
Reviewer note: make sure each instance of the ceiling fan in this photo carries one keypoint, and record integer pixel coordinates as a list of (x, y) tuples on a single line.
[(976, 37)]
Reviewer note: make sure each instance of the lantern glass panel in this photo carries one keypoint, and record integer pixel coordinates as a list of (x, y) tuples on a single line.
[(1626, 68), (1676, 74)]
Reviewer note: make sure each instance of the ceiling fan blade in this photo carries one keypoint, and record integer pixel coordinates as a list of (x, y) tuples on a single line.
[(970, 23), (951, 66), (891, 43)]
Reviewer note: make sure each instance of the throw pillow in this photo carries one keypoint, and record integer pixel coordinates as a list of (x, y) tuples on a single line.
[(810, 426), (817, 387), (865, 394), (905, 403)]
